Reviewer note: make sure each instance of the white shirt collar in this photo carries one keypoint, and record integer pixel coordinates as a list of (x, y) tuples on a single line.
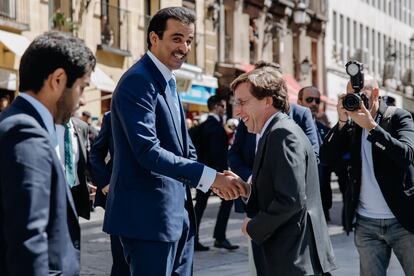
[(217, 117), (267, 124), (166, 73), (43, 112)]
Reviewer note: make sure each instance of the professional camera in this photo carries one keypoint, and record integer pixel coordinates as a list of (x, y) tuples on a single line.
[(355, 70)]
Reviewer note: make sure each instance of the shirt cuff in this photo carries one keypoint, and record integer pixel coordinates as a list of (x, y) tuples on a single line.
[(207, 179), (246, 199)]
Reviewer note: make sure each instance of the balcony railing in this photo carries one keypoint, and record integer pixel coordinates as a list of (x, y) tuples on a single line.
[(15, 14)]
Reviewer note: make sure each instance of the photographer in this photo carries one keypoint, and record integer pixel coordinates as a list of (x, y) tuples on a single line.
[(381, 153)]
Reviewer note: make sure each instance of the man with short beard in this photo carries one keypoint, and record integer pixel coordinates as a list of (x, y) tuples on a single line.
[(39, 230), (149, 202)]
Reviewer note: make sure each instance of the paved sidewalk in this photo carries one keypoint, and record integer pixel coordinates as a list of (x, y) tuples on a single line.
[(96, 257)]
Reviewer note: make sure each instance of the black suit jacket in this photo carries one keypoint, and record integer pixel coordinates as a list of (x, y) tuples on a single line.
[(39, 230), (214, 144), (101, 169), (289, 224), (392, 154), (80, 192)]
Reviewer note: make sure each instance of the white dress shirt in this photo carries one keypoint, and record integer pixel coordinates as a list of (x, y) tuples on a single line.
[(60, 131), (209, 175)]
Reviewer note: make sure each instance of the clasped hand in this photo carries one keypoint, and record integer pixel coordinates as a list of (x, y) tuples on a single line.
[(228, 186)]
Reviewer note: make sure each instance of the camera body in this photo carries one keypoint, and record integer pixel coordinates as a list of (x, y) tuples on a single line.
[(355, 70)]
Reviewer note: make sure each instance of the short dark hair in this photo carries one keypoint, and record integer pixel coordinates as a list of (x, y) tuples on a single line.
[(300, 93), (266, 83), (213, 101), (158, 22), (50, 51)]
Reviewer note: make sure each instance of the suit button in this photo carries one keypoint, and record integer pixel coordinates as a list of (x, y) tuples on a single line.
[(76, 244)]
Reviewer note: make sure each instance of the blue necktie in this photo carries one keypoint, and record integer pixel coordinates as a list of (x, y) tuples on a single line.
[(173, 89), (69, 164)]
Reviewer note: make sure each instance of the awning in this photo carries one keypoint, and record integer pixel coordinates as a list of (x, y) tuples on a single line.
[(188, 71), (14, 42), (293, 87), (102, 81)]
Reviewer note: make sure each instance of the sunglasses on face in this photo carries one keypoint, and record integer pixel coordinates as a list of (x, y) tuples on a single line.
[(311, 99)]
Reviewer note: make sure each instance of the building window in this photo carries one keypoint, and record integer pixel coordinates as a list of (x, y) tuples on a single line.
[(62, 16), (348, 37), (374, 53), (8, 9)]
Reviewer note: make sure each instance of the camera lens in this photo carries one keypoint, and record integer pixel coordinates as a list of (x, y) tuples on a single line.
[(351, 102)]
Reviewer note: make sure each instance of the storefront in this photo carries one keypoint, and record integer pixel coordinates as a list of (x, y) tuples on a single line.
[(195, 88)]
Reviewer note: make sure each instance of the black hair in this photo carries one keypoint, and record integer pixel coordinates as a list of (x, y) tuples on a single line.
[(50, 51), (158, 22), (213, 101), (302, 90)]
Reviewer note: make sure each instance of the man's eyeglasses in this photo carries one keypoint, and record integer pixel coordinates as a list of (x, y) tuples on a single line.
[(240, 102), (311, 99)]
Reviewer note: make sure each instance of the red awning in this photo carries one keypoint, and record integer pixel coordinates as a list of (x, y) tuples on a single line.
[(293, 87)]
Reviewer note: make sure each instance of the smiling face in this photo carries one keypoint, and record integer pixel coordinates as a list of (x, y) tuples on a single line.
[(252, 111), (175, 45)]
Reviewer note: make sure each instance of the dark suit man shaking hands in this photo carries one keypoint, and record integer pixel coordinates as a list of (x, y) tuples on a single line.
[(289, 225), (39, 230), (149, 203)]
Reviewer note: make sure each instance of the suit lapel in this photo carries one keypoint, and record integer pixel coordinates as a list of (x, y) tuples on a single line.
[(80, 140), (262, 143), (162, 85), (174, 115)]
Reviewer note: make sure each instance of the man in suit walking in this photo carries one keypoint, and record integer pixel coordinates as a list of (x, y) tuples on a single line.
[(73, 152), (101, 170), (39, 230), (285, 190), (149, 202), (213, 152)]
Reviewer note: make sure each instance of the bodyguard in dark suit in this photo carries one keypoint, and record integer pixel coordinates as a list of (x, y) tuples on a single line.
[(310, 97), (149, 202), (213, 152), (74, 147), (101, 169), (285, 190), (39, 230)]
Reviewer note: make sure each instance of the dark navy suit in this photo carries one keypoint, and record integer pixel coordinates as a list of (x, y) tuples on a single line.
[(101, 175), (241, 157), (214, 148), (149, 202), (39, 230)]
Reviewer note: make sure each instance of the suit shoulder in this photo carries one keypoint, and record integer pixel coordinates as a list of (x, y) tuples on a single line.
[(21, 121), (79, 123)]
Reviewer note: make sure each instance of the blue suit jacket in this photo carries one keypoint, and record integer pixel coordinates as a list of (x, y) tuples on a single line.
[(153, 165), (100, 170), (39, 230), (242, 152)]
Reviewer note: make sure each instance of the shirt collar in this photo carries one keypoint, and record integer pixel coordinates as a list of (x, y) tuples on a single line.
[(166, 73), (267, 124), (217, 117), (43, 112)]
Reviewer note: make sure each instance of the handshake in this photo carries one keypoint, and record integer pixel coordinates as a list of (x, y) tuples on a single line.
[(228, 186)]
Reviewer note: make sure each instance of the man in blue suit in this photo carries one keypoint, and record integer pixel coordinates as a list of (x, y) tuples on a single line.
[(101, 170), (39, 230), (149, 202)]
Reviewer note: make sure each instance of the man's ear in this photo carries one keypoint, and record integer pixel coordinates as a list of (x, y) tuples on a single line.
[(153, 37), (58, 79)]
